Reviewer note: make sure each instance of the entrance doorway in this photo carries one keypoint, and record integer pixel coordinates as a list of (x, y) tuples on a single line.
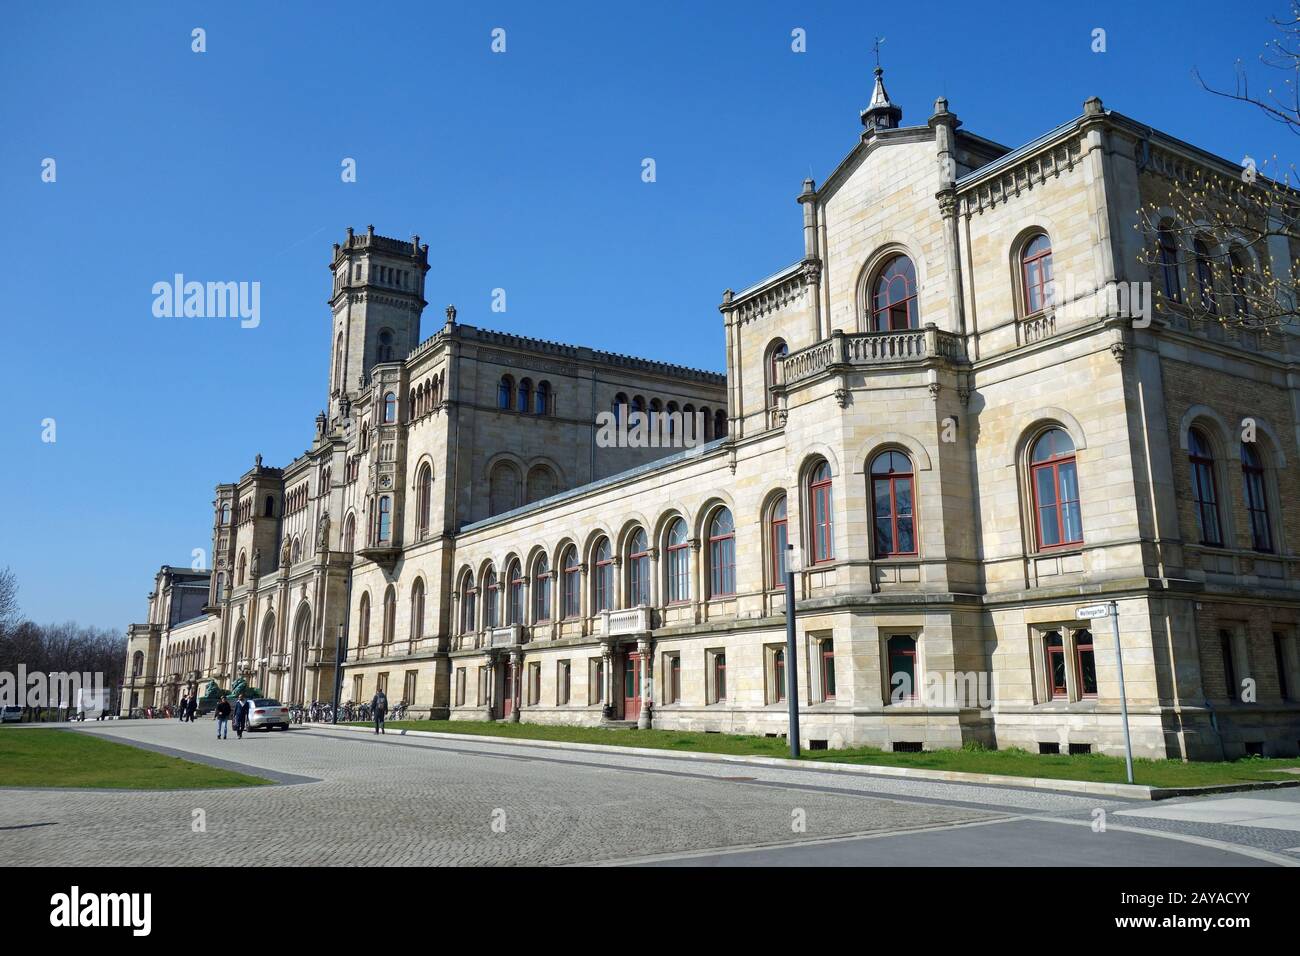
[(632, 665), (508, 691)]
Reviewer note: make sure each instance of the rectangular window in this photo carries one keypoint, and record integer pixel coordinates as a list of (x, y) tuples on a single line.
[(827, 653), (1087, 663), (534, 683), (780, 547), (1054, 655), (356, 688), (1279, 655), (408, 688), (778, 675), (673, 678), (717, 677), (596, 680), (481, 687), (1229, 670), (901, 651), (381, 683), (679, 573), (563, 686)]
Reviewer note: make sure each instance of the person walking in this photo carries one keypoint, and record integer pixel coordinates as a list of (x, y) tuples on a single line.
[(194, 706), (223, 718), (180, 710), (241, 716), (379, 707)]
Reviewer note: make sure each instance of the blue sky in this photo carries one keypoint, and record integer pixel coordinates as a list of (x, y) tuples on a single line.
[(521, 170)]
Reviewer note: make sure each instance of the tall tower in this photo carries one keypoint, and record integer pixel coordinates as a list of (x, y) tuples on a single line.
[(377, 299)]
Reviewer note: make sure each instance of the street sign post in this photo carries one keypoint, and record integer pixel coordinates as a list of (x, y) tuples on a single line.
[(791, 660), (1095, 612)]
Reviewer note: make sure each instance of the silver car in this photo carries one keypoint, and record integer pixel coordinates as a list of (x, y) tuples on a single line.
[(265, 713)]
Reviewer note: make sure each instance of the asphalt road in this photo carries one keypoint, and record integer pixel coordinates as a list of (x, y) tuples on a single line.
[(348, 798)]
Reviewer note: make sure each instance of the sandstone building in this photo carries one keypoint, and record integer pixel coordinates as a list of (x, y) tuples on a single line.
[(938, 405)]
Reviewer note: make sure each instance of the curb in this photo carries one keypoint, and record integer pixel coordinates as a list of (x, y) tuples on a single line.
[(1125, 790)]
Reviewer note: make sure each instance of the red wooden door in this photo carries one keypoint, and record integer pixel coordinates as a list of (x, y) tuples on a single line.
[(631, 686), (508, 691)]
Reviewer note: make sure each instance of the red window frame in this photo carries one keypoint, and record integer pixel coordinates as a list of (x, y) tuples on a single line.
[(828, 669), (679, 566), (885, 300), (719, 678), (1054, 464), (542, 593), (1084, 642), (638, 570), (722, 558), (821, 517), (1054, 652), (778, 673), (894, 479), (572, 585), (604, 577), (780, 541), (515, 603), (1039, 264)]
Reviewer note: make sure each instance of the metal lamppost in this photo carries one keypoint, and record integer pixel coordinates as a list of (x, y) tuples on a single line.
[(791, 658), (338, 672)]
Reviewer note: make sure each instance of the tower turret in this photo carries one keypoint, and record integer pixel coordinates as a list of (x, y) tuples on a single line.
[(377, 299)]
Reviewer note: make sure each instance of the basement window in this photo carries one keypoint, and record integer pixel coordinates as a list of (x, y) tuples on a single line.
[(908, 746), (1046, 748)]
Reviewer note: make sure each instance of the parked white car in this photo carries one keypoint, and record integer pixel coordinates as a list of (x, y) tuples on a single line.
[(266, 712)]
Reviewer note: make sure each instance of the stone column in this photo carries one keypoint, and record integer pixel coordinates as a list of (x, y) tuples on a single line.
[(646, 652), (607, 660), (516, 666)]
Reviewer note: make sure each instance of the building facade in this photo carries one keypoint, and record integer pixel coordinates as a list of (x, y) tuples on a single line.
[(948, 407)]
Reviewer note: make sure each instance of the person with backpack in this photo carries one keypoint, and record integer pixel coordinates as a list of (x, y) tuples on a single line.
[(379, 707)]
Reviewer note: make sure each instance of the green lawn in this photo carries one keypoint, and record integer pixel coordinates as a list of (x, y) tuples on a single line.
[(63, 758), (1018, 763)]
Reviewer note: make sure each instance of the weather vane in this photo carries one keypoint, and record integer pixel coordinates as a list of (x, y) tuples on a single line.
[(875, 48)]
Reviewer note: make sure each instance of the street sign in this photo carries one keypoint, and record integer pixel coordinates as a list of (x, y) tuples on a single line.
[(1092, 612)]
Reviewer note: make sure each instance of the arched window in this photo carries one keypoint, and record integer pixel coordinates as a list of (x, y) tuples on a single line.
[(1205, 276), (720, 423), (225, 514), (893, 296), (819, 510), (722, 554), (467, 621), (384, 524), (525, 395), (390, 407), (390, 614), (540, 483), (385, 345), (776, 352), (363, 629), (417, 610), (779, 541), (1239, 267), (1169, 265), (423, 499), (505, 392), (892, 504), (137, 664), (515, 580), (338, 364), (1205, 497), (268, 507), (604, 576), (707, 418), (243, 567), (572, 584), (350, 532), (1252, 479), (1055, 484), (638, 570), (679, 563), (503, 488), (673, 419), (618, 406), (541, 591), (543, 401), (295, 552), (491, 598), (1036, 268)]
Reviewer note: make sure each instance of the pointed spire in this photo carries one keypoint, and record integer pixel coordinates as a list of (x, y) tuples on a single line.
[(881, 113)]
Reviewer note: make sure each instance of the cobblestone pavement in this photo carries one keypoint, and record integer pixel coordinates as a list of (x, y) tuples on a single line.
[(395, 800)]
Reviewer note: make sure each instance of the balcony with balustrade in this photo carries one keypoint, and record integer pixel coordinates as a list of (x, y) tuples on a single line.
[(922, 348)]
